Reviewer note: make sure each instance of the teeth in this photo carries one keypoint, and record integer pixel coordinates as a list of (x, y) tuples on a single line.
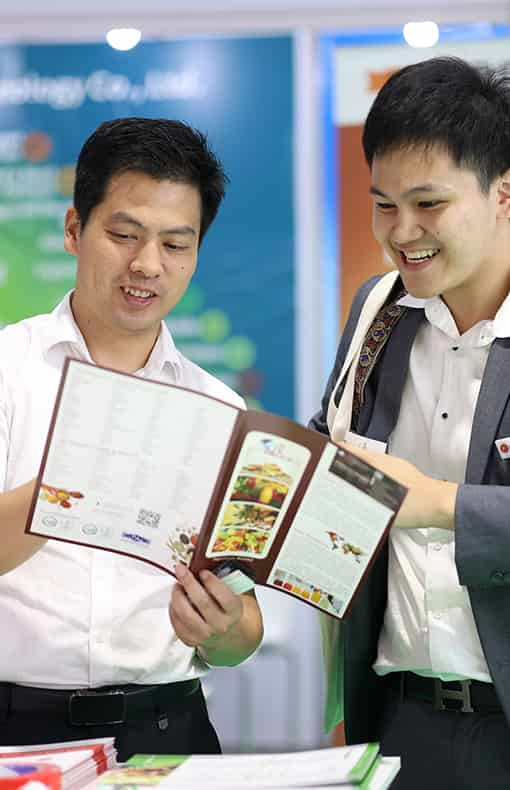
[(136, 292), (419, 255)]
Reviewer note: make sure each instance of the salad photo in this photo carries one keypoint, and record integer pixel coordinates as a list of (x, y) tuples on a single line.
[(240, 540)]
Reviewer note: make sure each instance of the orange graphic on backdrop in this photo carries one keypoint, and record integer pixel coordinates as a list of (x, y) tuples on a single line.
[(360, 254), (376, 79)]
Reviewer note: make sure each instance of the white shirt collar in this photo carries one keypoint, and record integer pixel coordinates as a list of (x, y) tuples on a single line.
[(62, 328), (438, 314)]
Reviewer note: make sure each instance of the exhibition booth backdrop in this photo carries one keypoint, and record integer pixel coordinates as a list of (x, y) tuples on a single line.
[(237, 319)]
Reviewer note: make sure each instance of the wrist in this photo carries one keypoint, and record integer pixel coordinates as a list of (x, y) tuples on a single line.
[(445, 499)]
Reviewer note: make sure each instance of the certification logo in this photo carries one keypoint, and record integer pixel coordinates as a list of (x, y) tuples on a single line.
[(89, 529), (133, 537)]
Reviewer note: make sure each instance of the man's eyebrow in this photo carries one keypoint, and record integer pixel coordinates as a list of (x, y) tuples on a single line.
[(123, 216), (420, 188), (374, 191), (128, 219)]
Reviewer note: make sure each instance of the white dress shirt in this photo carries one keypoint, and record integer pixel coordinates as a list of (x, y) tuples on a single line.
[(73, 617), (429, 626)]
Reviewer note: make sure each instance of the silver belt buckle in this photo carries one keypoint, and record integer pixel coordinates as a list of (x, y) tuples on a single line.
[(463, 695)]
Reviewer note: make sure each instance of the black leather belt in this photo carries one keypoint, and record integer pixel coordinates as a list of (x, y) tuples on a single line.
[(89, 707), (465, 696)]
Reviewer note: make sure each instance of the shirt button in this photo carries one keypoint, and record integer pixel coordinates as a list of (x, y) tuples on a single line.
[(99, 638), (455, 348), (437, 615), (444, 415), (497, 577), (438, 546)]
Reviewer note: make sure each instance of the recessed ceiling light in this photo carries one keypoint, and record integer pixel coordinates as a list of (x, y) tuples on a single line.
[(421, 34), (123, 37)]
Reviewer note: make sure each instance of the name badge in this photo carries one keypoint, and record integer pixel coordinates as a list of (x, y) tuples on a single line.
[(503, 447), (372, 445)]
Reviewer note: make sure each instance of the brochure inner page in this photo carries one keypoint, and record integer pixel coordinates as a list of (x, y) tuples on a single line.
[(344, 513), (264, 480), (131, 464)]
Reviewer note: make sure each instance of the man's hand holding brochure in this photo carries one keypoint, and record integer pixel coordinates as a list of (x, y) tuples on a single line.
[(170, 476)]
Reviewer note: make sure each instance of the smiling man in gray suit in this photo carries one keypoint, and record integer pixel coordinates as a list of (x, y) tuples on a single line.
[(423, 663)]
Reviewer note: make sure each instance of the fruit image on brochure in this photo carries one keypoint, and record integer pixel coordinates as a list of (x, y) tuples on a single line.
[(248, 488), (265, 476), (55, 495)]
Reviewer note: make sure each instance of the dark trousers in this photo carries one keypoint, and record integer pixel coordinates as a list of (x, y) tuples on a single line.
[(183, 728), (445, 750)]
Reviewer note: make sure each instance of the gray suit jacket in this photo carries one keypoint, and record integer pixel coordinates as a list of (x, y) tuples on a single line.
[(482, 519)]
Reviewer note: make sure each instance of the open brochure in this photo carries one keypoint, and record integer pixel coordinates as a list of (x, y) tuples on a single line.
[(357, 766), (170, 475)]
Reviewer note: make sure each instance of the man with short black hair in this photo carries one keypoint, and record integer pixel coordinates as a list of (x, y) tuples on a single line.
[(76, 621), (423, 663)]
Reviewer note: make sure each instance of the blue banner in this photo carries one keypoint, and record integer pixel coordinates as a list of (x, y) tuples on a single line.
[(237, 319)]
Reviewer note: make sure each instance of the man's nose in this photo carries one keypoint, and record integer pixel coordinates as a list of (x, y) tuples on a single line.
[(147, 260), (406, 229)]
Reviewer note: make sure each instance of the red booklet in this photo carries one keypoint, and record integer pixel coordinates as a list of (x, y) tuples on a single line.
[(68, 766), (168, 475)]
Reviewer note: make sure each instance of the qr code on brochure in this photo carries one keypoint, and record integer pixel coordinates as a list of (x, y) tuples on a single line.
[(147, 518)]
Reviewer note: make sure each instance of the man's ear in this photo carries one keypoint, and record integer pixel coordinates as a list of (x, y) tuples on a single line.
[(72, 231), (504, 195)]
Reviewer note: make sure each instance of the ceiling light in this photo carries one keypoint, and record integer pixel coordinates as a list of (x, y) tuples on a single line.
[(421, 34), (123, 38)]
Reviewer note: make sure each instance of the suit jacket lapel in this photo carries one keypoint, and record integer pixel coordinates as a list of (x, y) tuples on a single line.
[(489, 408)]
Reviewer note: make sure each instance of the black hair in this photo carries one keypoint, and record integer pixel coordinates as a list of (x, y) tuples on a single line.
[(449, 103), (158, 147)]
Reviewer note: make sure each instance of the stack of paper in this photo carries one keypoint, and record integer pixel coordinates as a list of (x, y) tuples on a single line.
[(19, 776), (79, 762), (358, 766)]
